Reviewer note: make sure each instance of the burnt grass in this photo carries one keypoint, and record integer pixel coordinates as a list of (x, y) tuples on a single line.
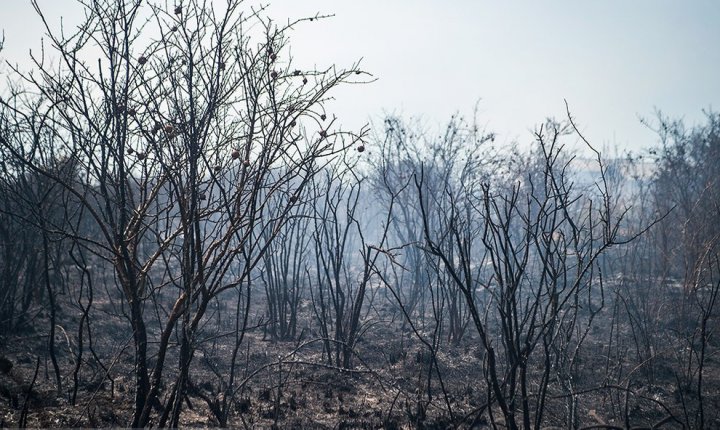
[(635, 368)]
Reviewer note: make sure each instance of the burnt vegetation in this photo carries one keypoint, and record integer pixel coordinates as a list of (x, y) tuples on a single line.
[(190, 237)]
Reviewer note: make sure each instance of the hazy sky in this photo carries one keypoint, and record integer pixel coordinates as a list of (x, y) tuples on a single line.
[(613, 60)]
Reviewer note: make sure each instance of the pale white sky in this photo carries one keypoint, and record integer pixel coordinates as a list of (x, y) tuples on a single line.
[(613, 60)]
